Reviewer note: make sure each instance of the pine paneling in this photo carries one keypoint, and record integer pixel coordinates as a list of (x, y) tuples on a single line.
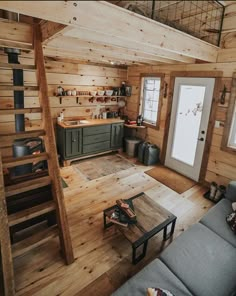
[(220, 168), (67, 74)]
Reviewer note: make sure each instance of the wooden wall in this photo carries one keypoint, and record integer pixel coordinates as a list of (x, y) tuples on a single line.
[(69, 74), (221, 165)]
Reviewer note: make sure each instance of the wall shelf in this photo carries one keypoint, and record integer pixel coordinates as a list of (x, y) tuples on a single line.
[(89, 97)]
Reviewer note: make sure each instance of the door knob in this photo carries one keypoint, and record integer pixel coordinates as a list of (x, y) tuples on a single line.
[(200, 139)]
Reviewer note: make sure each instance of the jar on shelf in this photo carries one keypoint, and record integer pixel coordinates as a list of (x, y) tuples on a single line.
[(73, 92), (68, 92)]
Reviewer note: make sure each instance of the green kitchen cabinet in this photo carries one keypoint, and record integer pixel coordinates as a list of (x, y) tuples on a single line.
[(117, 133), (69, 142), (73, 142)]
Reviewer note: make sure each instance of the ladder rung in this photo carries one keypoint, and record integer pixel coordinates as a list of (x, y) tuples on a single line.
[(10, 162), (7, 139), (27, 186), (34, 241), (30, 213), (16, 66), (19, 88), (20, 111)]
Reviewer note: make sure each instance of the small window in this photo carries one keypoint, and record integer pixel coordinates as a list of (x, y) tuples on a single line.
[(229, 134), (232, 134), (150, 97)]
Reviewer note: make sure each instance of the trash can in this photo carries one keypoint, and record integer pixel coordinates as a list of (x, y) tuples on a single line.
[(151, 155), (131, 146), (141, 150)]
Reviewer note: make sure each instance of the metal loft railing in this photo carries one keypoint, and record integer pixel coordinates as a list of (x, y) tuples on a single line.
[(202, 19)]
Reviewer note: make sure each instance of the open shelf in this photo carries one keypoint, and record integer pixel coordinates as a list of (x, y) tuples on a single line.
[(88, 96)]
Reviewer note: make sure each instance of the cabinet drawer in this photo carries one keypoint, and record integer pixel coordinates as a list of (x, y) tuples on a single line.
[(93, 130), (96, 138), (96, 147)]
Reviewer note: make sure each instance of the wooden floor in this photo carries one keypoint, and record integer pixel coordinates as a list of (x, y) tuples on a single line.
[(103, 258)]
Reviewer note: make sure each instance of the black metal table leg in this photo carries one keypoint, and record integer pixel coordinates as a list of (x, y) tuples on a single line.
[(135, 259), (166, 235)]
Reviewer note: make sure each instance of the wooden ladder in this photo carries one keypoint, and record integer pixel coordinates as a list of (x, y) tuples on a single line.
[(52, 178)]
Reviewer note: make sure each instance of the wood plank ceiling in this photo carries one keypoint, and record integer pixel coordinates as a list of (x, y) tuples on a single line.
[(100, 32)]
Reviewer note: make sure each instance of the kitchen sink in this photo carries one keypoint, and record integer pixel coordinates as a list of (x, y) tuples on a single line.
[(75, 122)]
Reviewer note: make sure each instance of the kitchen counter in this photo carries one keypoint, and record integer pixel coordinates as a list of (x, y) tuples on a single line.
[(91, 122), (78, 139)]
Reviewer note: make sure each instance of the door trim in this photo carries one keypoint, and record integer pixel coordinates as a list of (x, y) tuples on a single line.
[(216, 94)]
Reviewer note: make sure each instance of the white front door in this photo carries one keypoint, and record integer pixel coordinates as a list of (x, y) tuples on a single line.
[(190, 113)]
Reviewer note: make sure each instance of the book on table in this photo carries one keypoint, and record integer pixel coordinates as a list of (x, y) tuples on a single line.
[(119, 214)]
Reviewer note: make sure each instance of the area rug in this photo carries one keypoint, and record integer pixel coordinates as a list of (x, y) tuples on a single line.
[(97, 167), (171, 179)]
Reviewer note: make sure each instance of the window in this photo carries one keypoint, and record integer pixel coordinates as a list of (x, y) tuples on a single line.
[(229, 134), (232, 134), (150, 97)]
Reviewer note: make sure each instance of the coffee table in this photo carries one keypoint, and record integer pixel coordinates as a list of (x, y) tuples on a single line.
[(151, 219)]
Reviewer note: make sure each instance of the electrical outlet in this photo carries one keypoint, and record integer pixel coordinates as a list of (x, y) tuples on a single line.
[(217, 124)]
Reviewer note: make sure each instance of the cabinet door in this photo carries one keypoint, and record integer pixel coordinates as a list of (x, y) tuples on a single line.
[(73, 141), (117, 131)]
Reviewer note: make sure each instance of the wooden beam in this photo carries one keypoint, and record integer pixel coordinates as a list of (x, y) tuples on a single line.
[(13, 34), (5, 244), (102, 39), (51, 30), (116, 23), (80, 46), (55, 53), (50, 144), (99, 55)]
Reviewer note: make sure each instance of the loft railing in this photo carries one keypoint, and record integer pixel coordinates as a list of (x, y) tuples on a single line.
[(202, 19)]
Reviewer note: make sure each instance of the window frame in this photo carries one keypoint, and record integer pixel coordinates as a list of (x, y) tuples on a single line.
[(230, 118), (140, 109)]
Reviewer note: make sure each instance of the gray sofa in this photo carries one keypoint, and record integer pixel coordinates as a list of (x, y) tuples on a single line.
[(200, 262)]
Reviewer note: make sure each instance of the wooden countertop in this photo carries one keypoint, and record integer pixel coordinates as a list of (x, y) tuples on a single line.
[(91, 122)]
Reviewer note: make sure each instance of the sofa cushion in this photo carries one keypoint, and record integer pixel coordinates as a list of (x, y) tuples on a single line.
[(155, 274), (203, 261), (215, 219)]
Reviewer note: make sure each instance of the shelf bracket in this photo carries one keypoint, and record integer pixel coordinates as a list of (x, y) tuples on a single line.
[(60, 100)]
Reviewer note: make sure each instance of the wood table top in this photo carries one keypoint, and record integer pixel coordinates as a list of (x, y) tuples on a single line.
[(151, 218)]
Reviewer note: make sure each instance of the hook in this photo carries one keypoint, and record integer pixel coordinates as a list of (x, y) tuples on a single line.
[(222, 98)]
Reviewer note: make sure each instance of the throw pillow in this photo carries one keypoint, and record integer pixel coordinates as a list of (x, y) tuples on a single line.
[(158, 292), (234, 206), (231, 220)]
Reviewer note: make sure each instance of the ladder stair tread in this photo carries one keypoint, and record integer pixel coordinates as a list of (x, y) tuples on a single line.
[(7, 139), (27, 186), (18, 87), (34, 241), (9, 162), (20, 111), (17, 66), (30, 213)]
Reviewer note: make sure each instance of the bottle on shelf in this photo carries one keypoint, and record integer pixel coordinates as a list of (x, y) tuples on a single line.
[(123, 89), (139, 120), (62, 116)]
